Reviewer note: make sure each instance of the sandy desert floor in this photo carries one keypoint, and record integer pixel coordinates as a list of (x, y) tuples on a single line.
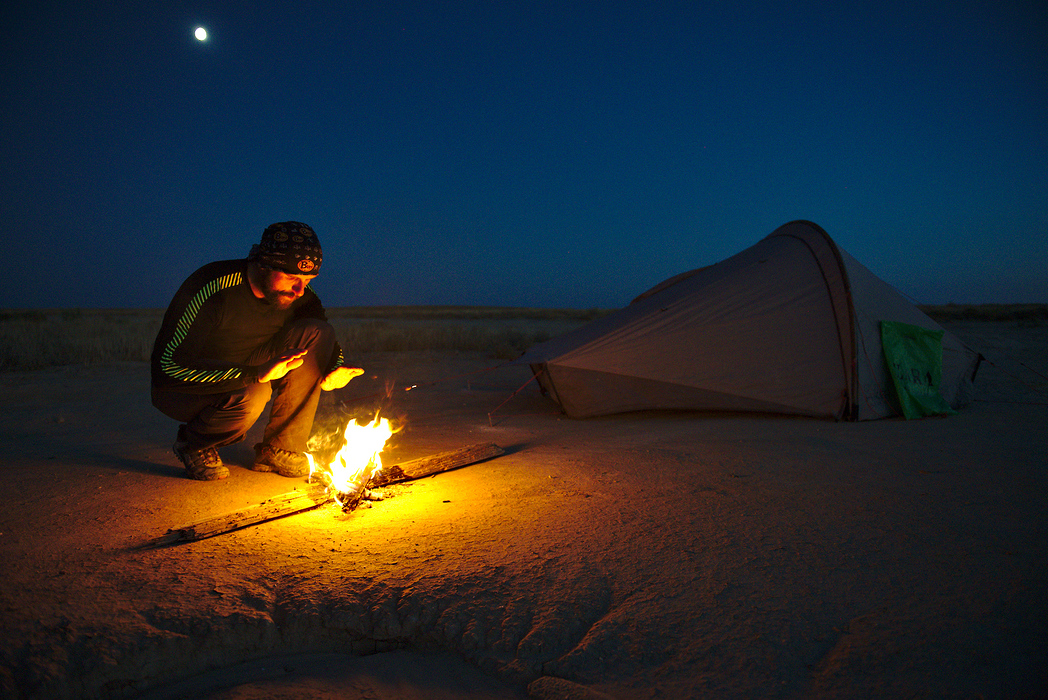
[(649, 555)]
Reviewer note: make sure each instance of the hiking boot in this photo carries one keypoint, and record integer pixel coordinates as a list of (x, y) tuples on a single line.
[(283, 462), (202, 465)]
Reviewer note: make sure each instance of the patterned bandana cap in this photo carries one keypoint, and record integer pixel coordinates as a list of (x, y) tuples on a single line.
[(290, 246)]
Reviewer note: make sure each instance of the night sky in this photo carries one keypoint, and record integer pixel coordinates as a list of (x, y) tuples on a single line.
[(541, 154)]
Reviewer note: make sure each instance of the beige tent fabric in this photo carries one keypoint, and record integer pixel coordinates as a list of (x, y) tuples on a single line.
[(789, 325), (876, 301)]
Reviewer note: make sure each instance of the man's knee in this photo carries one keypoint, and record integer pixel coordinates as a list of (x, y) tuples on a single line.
[(310, 332), (314, 335), (215, 420), (239, 408), (249, 401)]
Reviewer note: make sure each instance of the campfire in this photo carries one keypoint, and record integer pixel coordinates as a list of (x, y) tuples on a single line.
[(346, 480), (356, 463)]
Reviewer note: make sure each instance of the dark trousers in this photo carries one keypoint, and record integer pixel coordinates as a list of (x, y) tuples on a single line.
[(214, 420)]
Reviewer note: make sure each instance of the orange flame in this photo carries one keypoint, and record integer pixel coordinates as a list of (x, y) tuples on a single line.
[(358, 457)]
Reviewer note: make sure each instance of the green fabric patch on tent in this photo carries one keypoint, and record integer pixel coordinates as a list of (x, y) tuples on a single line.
[(914, 358)]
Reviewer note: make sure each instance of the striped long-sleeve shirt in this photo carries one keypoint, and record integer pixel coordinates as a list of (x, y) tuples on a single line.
[(213, 326)]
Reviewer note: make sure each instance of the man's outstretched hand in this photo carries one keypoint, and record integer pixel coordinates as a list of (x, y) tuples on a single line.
[(275, 369), (339, 377)]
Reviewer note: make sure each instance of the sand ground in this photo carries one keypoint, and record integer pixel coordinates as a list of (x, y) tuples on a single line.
[(649, 555)]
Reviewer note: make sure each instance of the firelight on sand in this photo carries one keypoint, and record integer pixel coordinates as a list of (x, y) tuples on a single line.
[(358, 460)]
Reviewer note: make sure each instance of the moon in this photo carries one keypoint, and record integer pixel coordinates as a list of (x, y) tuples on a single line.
[(200, 34)]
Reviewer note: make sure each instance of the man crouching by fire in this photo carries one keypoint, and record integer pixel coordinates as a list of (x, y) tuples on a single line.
[(236, 331)]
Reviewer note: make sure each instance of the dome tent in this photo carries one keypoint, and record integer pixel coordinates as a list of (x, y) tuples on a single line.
[(789, 325)]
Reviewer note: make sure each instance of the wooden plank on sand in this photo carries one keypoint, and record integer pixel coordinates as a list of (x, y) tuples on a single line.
[(435, 464), (270, 509)]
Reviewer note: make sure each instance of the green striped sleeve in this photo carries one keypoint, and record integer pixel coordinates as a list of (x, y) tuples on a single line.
[(187, 374)]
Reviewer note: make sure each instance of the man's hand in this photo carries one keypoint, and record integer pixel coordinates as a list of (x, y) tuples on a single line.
[(339, 377), (275, 369)]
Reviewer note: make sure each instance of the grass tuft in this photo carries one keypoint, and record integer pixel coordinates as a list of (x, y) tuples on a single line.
[(35, 339)]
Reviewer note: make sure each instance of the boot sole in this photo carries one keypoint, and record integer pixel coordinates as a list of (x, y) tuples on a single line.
[(209, 474), (262, 467)]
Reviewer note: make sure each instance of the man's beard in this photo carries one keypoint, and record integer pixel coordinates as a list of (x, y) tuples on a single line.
[(281, 300)]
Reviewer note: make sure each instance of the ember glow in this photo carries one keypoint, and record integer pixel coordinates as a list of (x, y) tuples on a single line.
[(357, 461)]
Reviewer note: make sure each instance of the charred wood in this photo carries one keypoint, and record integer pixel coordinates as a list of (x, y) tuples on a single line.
[(436, 464)]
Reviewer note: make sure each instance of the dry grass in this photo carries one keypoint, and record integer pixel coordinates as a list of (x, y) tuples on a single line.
[(50, 338), (987, 312), (463, 313), (34, 339)]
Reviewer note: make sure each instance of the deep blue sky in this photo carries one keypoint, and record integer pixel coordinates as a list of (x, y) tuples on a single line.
[(562, 154)]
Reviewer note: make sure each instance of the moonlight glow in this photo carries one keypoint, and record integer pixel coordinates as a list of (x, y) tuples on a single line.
[(200, 34)]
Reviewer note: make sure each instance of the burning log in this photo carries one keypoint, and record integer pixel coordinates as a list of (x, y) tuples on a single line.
[(347, 495), (350, 495), (347, 474)]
